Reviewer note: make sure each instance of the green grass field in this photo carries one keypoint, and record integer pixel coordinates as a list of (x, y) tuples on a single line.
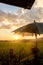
[(23, 45), (21, 48)]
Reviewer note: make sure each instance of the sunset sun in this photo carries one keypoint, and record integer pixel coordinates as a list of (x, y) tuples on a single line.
[(17, 37)]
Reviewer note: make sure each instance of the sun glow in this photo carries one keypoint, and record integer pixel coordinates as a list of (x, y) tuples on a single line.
[(17, 37), (21, 37)]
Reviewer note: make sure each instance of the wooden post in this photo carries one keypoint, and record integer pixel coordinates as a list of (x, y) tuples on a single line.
[(36, 39)]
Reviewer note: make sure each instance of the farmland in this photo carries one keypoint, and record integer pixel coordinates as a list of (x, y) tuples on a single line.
[(20, 47)]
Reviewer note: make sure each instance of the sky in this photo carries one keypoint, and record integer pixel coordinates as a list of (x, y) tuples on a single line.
[(12, 17), (8, 8)]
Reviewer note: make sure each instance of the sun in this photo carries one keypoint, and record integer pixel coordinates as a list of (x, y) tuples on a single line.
[(17, 37)]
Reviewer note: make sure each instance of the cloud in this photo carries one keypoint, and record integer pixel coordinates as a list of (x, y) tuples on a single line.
[(7, 20), (9, 16), (4, 26), (33, 14), (36, 13), (22, 17), (2, 15)]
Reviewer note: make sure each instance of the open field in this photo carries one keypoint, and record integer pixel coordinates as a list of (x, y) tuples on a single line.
[(17, 45), (20, 48)]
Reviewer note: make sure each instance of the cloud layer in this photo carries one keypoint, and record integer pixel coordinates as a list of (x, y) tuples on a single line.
[(22, 17)]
